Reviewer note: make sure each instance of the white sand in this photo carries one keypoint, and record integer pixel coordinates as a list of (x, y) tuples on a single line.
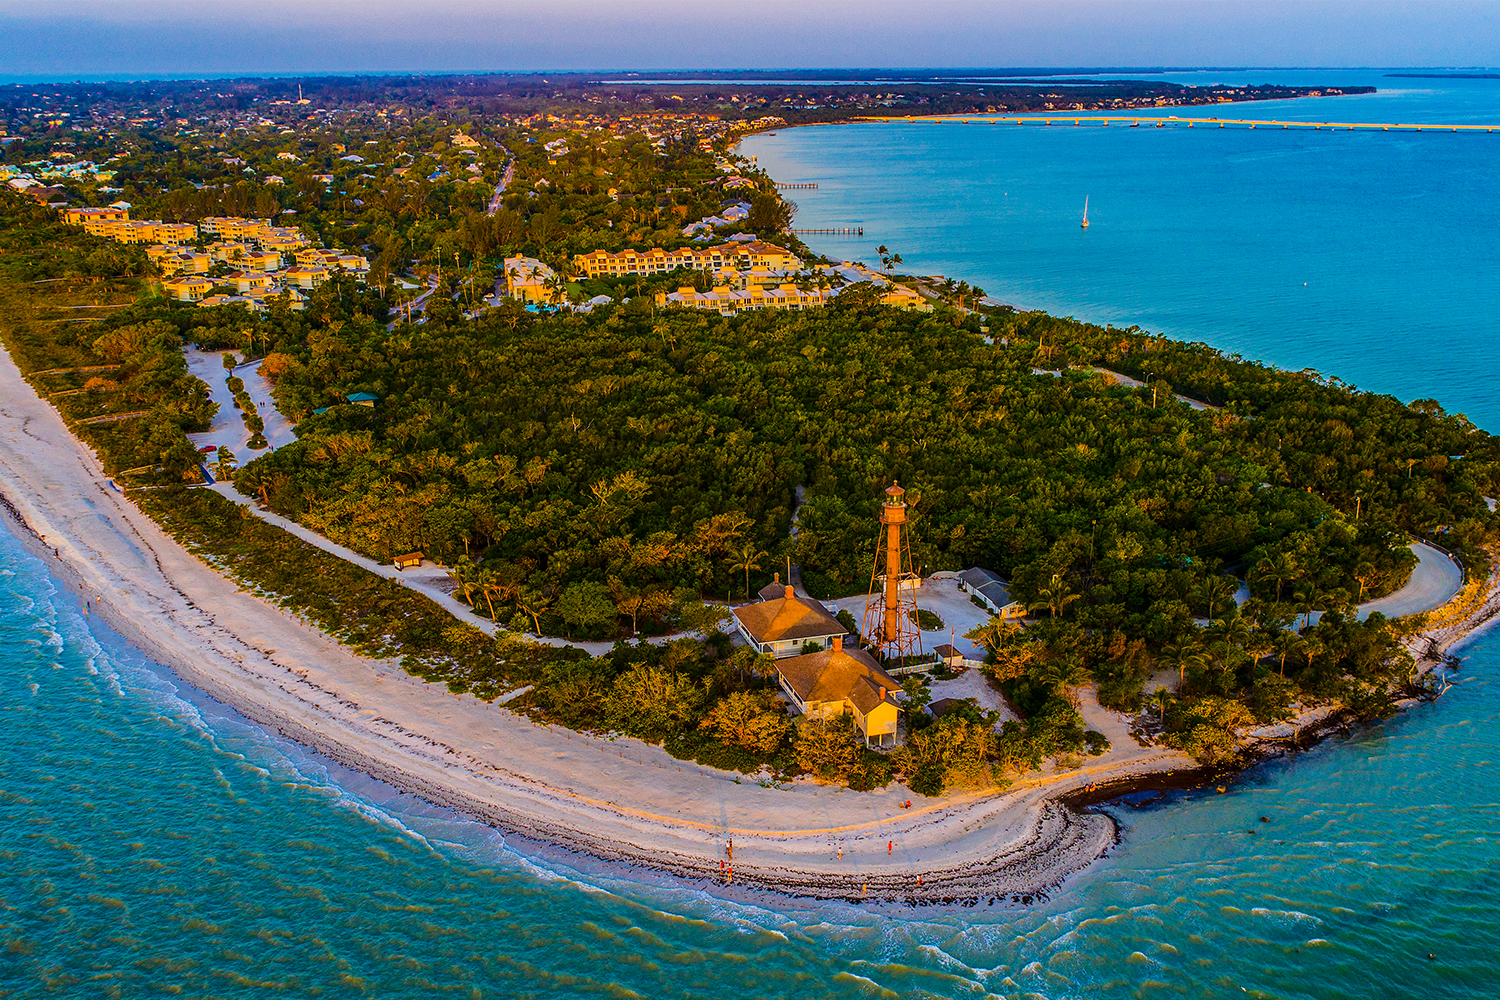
[(620, 800)]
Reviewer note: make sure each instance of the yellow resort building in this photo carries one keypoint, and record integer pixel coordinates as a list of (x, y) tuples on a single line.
[(728, 301), (526, 279), (753, 255), (233, 227), (184, 261), (90, 218), (247, 281), (305, 276), (838, 681), (188, 288)]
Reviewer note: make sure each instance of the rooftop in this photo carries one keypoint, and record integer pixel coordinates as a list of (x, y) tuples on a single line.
[(838, 674), (788, 617)]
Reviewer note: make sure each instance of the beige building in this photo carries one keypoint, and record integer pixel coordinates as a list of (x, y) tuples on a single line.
[(838, 681), (230, 252), (184, 262)]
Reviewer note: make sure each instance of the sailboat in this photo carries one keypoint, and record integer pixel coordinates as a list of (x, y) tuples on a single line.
[(1085, 223)]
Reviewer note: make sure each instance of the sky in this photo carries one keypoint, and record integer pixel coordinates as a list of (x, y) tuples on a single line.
[(66, 39)]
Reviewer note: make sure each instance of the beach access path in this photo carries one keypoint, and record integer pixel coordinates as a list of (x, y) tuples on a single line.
[(615, 799)]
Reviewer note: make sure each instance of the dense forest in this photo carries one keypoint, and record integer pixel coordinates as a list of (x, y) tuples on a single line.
[(626, 472)]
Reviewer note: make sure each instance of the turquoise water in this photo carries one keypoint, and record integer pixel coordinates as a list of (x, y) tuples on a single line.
[(152, 843), (1367, 255)]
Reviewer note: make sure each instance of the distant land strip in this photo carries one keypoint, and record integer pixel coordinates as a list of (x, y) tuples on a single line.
[(1154, 121)]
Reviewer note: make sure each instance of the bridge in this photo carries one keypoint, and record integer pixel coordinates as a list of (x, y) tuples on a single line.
[(1153, 121)]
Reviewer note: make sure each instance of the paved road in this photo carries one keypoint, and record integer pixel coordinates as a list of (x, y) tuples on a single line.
[(510, 173), (1433, 583)]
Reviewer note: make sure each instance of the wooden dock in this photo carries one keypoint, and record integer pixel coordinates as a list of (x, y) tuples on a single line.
[(857, 231), (1153, 121), (803, 186)]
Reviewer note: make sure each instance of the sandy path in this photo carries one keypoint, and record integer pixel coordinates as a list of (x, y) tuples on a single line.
[(617, 800)]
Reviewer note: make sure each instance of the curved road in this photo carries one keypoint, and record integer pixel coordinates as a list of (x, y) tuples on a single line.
[(1434, 581)]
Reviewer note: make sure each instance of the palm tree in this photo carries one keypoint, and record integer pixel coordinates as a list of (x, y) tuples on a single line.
[(1364, 573), (533, 603), (488, 582), (226, 465), (1214, 590), (1071, 674), (1229, 633), (1161, 699), (747, 559), (465, 578), (1282, 567), (1181, 655), (1308, 599), (1056, 596), (1285, 644)]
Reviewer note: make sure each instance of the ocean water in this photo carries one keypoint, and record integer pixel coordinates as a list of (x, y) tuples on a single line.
[(153, 843), (1371, 256)]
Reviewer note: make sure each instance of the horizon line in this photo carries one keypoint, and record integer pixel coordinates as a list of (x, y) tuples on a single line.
[(189, 76)]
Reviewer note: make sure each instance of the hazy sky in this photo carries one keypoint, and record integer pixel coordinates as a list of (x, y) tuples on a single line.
[(61, 37)]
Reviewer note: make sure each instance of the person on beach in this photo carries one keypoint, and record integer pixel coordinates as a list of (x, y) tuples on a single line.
[(890, 845)]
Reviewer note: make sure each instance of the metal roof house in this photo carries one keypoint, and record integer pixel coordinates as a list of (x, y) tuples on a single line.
[(992, 590)]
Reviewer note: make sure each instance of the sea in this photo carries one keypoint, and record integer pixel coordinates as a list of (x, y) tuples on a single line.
[(155, 843)]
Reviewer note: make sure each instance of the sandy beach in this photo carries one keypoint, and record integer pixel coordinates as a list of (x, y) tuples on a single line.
[(617, 800)]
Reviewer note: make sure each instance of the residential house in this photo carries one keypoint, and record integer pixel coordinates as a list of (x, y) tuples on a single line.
[(838, 681), (783, 625), (992, 590)]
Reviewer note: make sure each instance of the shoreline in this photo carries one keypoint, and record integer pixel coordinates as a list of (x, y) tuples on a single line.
[(805, 840)]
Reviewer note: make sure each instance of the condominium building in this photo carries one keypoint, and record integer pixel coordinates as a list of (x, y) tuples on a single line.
[(729, 301), (305, 276), (233, 227), (750, 255), (89, 218), (188, 289)]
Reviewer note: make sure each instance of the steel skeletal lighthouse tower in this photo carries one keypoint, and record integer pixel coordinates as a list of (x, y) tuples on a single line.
[(890, 627)]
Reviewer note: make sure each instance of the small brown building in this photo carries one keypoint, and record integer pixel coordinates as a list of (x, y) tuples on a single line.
[(409, 560)]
